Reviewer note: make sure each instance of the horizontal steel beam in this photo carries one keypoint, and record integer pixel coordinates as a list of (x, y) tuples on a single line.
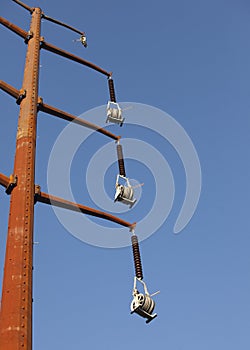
[(19, 31), (70, 56), (53, 20), (4, 180), (71, 118), (63, 203), (9, 89)]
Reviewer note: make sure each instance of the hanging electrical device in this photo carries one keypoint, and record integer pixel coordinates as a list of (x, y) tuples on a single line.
[(124, 191), (114, 112), (142, 303), (82, 39)]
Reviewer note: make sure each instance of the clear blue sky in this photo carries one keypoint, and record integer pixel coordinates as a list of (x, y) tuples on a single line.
[(191, 60)]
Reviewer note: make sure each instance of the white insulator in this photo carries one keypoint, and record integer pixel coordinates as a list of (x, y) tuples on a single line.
[(142, 304), (128, 192), (138, 301), (114, 113), (148, 304)]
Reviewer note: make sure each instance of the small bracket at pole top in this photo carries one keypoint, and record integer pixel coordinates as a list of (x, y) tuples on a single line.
[(12, 183)]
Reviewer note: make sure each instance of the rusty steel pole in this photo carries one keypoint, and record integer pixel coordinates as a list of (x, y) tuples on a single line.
[(16, 305)]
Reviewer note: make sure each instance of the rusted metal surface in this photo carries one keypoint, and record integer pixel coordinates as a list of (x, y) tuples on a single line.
[(4, 180), (19, 31), (70, 56), (71, 118), (63, 203), (9, 89), (8, 182), (16, 305)]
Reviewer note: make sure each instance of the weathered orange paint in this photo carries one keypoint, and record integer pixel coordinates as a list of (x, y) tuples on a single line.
[(16, 305)]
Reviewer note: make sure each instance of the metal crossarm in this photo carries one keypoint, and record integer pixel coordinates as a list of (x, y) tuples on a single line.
[(14, 28), (70, 56), (71, 118)]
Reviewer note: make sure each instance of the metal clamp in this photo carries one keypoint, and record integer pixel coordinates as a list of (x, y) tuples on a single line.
[(37, 192), (22, 95), (28, 37), (12, 183)]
